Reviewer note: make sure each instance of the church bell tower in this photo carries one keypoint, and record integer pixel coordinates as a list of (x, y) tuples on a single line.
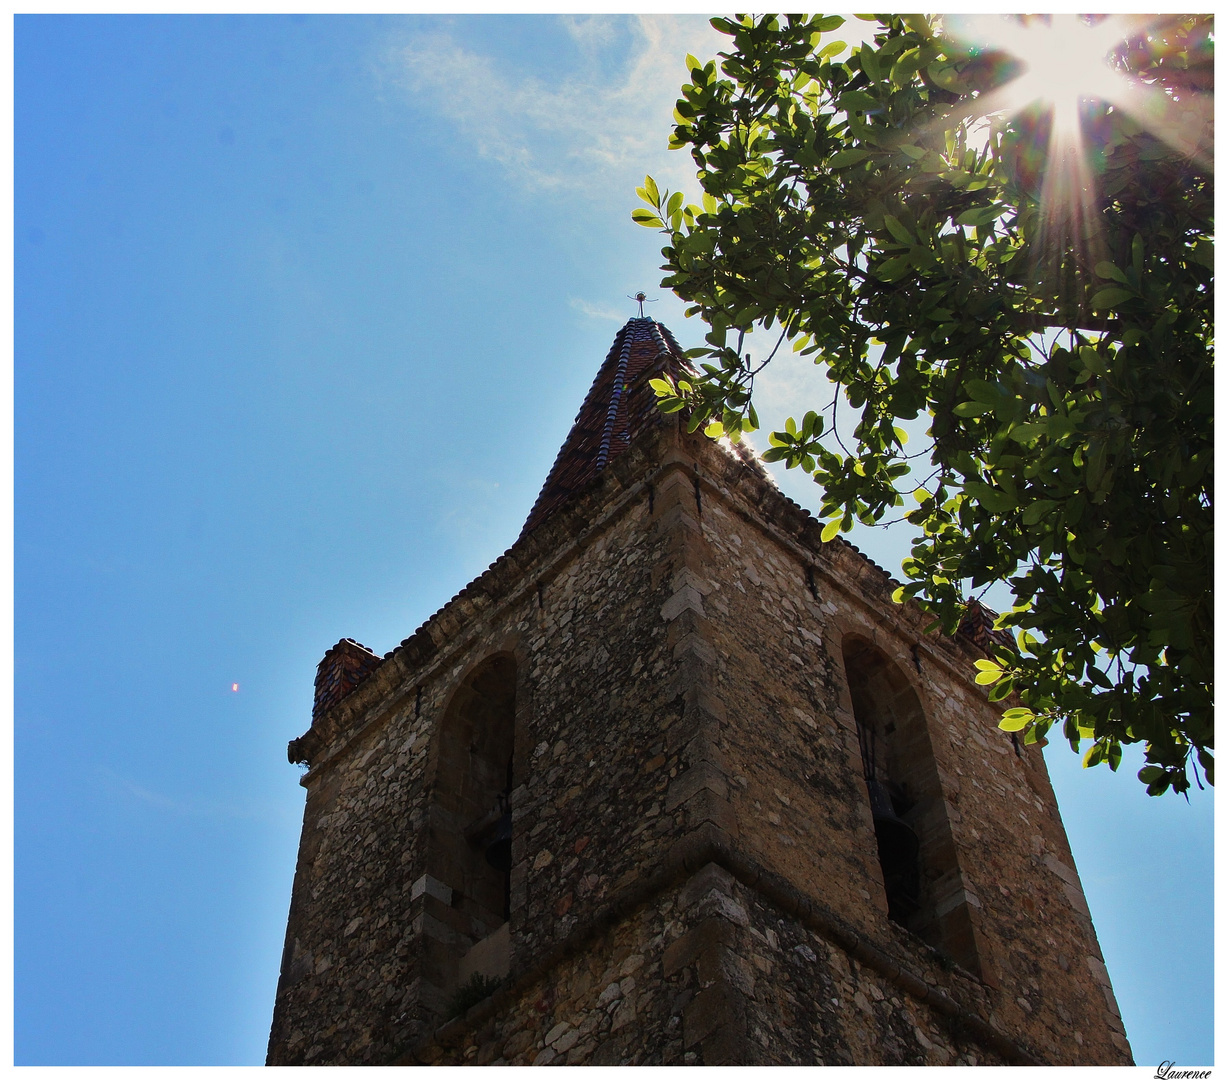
[(675, 782)]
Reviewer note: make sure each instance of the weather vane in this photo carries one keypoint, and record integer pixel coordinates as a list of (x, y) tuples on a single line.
[(642, 298)]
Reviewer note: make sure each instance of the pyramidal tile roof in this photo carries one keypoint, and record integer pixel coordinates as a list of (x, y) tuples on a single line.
[(618, 407)]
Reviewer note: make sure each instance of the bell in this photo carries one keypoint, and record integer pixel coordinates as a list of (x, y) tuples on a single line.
[(898, 848), (499, 849)]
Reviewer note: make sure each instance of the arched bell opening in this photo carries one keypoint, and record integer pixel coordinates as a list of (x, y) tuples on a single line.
[(469, 850), (916, 850)]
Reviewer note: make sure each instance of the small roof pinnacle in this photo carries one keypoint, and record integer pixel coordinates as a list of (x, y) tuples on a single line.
[(642, 299)]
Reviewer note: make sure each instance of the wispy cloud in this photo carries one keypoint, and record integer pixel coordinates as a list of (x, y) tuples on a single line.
[(123, 788), (597, 311), (594, 131)]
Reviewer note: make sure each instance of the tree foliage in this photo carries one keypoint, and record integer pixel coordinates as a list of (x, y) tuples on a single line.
[(1056, 335)]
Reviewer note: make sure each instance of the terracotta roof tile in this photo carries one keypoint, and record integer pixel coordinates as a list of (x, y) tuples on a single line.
[(344, 666), (977, 627)]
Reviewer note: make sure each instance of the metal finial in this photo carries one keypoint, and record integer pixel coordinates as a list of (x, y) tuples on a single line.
[(642, 298)]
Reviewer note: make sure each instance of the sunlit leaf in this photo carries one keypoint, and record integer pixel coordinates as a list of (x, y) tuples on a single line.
[(1016, 719)]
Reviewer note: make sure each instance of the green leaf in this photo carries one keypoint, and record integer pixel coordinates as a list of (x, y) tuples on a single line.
[(893, 269), (654, 196), (844, 158), (1033, 514), (1092, 360), (906, 67), (972, 408), (1108, 270), (1016, 719), (830, 530), (1110, 298), (896, 228), (1027, 434), (992, 499), (855, 101), (869, 62), (1207, 760), (981, 215), (1001, 689), (646, 218), (830, 22)]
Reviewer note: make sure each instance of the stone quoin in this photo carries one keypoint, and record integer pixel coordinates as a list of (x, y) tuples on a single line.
[(675, 782)]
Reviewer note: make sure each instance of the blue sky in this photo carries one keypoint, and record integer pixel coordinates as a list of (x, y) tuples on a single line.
[(303, 309)]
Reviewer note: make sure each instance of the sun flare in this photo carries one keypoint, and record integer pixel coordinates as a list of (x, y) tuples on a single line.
[(1056, 70), (1064, 60)]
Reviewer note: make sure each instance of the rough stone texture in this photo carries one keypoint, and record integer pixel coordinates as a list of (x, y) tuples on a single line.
[(695, 877)]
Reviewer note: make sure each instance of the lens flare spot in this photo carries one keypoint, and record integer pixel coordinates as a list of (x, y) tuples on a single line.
[(234, 687)]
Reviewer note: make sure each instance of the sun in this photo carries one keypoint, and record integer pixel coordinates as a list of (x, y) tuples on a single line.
[(1064, 60)]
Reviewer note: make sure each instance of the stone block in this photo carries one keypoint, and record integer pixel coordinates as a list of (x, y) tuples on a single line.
[(718, 1007), (491, 957), (678, 517), (429, 886), (1077, 901), (710, 877), (1066, 873), (685, 577), (685, 599), (707, 936), (703, 775), (693, 645)]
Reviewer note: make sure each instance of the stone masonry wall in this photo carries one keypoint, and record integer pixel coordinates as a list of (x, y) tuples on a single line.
[(657, 990), (587, 807), (794, 773), (680, 702)]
